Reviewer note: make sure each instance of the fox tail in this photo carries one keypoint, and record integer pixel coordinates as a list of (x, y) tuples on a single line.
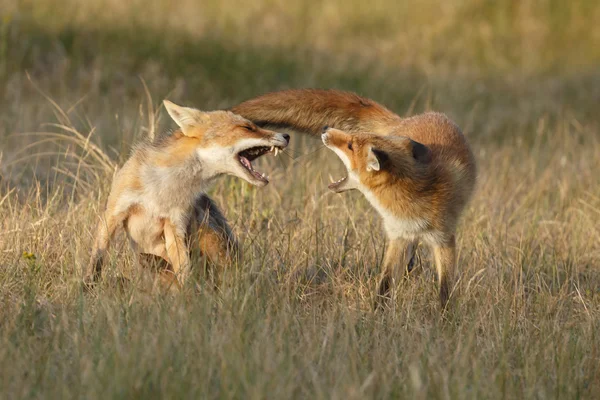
[(309, 110)]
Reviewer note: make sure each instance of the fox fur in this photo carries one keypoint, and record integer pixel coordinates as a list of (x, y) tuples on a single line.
[(418, 172), (159, 195)]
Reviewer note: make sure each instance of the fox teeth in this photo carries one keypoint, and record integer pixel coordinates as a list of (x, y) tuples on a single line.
[(272, 147), (276, 151)]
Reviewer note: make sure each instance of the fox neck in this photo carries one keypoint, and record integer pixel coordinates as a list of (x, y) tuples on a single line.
[(197, 167), (216, 161), (184, 180)]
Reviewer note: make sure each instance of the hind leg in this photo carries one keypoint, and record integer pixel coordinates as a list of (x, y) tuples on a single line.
[(161, 272), (214, 238), (214, 235)]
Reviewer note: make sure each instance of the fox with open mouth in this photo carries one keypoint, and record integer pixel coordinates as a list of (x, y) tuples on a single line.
[(418, 172), (159, 195)]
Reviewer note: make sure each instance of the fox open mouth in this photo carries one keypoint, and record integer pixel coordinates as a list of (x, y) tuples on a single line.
[(247, 156), (335, 185)]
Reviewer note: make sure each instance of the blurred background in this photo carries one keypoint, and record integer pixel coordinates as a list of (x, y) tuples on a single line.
[(497, 67)]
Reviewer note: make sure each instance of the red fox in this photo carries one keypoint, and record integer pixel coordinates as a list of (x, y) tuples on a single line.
[(417, 172), (158, 196)]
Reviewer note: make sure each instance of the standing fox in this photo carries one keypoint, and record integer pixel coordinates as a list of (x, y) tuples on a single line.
[(159, 194), (418, 172)]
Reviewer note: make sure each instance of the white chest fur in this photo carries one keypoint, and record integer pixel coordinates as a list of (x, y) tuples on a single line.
[(395, 226)]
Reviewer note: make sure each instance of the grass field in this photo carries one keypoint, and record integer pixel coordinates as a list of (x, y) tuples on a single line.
[(294, 320)]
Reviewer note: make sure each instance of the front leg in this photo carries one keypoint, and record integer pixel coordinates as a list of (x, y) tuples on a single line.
[(445, 260), (177, 250), (104, 234), (398, 256)]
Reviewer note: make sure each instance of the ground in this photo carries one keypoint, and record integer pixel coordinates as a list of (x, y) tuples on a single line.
[(80, 84)]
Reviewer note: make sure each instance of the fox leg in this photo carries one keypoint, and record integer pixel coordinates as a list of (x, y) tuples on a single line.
[(104, 234), (168, 280), (412, 261), (177, 251), (398, 257), (158, 267), (218, 248), (215, 238), (445, 260)]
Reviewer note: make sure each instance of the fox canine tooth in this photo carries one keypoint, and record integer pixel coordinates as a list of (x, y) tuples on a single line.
[(276, 151)]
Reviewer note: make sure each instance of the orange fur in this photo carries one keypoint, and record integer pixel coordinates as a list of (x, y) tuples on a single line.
[(158, 195), (418, 172), (308, 110)]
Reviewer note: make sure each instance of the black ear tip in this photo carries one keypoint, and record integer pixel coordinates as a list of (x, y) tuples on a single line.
[(325, 128)]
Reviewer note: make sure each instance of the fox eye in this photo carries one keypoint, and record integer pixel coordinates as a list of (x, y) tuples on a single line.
[(350, 145), (248, 128)]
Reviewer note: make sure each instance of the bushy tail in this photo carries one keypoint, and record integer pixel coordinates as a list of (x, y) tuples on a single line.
[(309, 110)]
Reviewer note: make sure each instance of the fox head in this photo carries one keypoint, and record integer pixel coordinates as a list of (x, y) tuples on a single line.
[(372, 160), (226, 143)]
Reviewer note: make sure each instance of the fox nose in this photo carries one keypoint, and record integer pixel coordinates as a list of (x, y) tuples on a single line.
[(286, 137)]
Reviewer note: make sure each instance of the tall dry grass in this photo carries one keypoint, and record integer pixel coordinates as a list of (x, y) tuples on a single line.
[(294, 321)]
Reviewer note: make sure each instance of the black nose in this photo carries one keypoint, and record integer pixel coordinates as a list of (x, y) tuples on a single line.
[(325, 128), (286, 137)]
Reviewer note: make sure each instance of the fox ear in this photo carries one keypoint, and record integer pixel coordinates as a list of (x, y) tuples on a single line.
[(185, 117), (420, 152), (375, 159)]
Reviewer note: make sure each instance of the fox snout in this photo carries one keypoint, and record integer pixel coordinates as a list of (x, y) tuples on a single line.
[(284, 138), (278, 139)]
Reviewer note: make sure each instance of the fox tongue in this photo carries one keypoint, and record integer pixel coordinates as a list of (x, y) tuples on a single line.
[(334, 185), (248, 165)]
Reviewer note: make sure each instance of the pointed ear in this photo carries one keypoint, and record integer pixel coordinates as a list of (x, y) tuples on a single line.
[(376, 159), (185, 117), (420, 152)]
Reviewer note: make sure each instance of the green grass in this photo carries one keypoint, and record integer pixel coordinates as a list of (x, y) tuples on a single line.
[(294, 320)]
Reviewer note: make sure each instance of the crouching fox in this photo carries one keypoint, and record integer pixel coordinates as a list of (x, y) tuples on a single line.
[(159, 195)]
